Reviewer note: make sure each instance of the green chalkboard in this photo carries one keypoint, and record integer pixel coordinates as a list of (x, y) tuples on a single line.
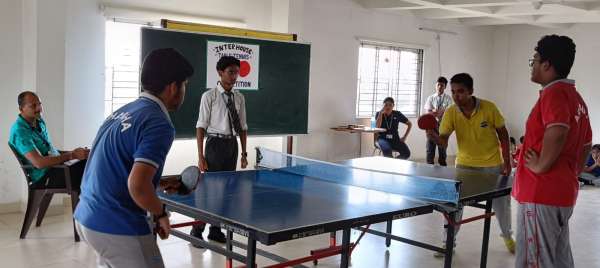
[(278, 107)]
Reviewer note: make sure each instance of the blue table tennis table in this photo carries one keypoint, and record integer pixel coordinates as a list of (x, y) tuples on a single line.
[(289, 197)]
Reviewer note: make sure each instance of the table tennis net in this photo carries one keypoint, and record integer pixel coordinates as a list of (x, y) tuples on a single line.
[(416, 187)]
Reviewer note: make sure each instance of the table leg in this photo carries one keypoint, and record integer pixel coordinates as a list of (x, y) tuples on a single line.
[(251, 252), (486, 234), (345, 262), (388, 240), (449, 241), (229, 245)]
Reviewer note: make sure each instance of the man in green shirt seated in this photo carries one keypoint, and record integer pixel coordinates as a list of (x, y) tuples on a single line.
[(29, 137)]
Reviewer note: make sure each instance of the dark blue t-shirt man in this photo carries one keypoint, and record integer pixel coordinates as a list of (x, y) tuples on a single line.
[(140, 131), (125, 166), (592, 165), (390, 140), (596, 170)]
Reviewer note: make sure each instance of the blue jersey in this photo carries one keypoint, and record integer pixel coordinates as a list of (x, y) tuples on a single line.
[(595, 171), (140, 131)]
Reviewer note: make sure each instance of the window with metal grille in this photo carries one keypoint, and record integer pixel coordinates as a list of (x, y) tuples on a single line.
[(122, 64), (388, 71)]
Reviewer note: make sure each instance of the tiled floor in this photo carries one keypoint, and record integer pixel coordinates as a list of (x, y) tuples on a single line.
[(51, 245)]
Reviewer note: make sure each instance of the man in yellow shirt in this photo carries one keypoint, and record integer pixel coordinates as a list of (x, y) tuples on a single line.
[(480, 133)]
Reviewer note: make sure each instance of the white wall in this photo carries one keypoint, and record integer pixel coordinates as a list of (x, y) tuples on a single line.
[(513, 46), (54, 48), (50, 65), (84, 73), (280, 11), (11, 75), (332, 27), (29, 19)]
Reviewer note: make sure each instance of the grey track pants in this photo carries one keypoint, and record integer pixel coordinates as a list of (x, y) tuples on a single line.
[(543, 236), (122, 251)]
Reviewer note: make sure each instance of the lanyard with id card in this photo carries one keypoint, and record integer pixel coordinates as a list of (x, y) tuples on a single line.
[(388, 122)]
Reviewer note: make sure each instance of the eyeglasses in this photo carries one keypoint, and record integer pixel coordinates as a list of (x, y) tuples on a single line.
[(532, 61)]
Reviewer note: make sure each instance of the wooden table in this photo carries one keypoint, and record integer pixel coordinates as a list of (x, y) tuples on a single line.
[(360, 130)]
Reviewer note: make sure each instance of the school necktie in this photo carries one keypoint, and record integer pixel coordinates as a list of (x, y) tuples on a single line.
[(234, 118)]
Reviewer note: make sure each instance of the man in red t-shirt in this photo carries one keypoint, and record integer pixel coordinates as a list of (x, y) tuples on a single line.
[(558, 137)]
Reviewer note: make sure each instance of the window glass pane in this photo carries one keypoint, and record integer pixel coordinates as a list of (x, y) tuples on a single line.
[(388, 71), (122, 64)]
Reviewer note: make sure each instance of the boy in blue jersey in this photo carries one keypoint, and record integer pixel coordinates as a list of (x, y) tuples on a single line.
[(591, 171), (125, 165)]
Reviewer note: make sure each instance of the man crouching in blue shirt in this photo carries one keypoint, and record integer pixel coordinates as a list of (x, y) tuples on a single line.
[(125, 165)]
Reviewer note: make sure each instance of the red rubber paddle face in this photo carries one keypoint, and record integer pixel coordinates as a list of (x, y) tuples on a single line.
[(427, 121)]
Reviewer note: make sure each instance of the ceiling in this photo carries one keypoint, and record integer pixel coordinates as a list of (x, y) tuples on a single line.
[(543, 13)]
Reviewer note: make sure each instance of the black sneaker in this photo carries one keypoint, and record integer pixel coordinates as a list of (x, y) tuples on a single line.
[(197, 233), (216, 235)]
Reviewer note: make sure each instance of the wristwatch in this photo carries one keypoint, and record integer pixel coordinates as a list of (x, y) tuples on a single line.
[(244, 154)]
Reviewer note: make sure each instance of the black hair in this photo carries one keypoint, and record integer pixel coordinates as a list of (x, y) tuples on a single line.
[(22, 96), (596, 147), (512, 140), (162, 67), (227, 61), (559, 51), (442, 80), (522, 139), (389, 99), (463, 78)]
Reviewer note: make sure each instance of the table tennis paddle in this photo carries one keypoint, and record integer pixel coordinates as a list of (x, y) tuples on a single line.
[(427, 122), (182, 184), (189, 179)]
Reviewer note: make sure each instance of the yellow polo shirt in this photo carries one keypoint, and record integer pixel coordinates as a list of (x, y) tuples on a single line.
[(478, 144)]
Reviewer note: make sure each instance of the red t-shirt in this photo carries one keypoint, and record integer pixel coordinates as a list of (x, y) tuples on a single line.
[(559, 104)]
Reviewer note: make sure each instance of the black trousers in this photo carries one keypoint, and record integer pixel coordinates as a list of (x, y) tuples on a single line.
[(55, 177), (431, 145), (221, 155)]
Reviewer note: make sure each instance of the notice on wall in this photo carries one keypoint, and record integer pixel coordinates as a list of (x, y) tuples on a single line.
[(249, 59)]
